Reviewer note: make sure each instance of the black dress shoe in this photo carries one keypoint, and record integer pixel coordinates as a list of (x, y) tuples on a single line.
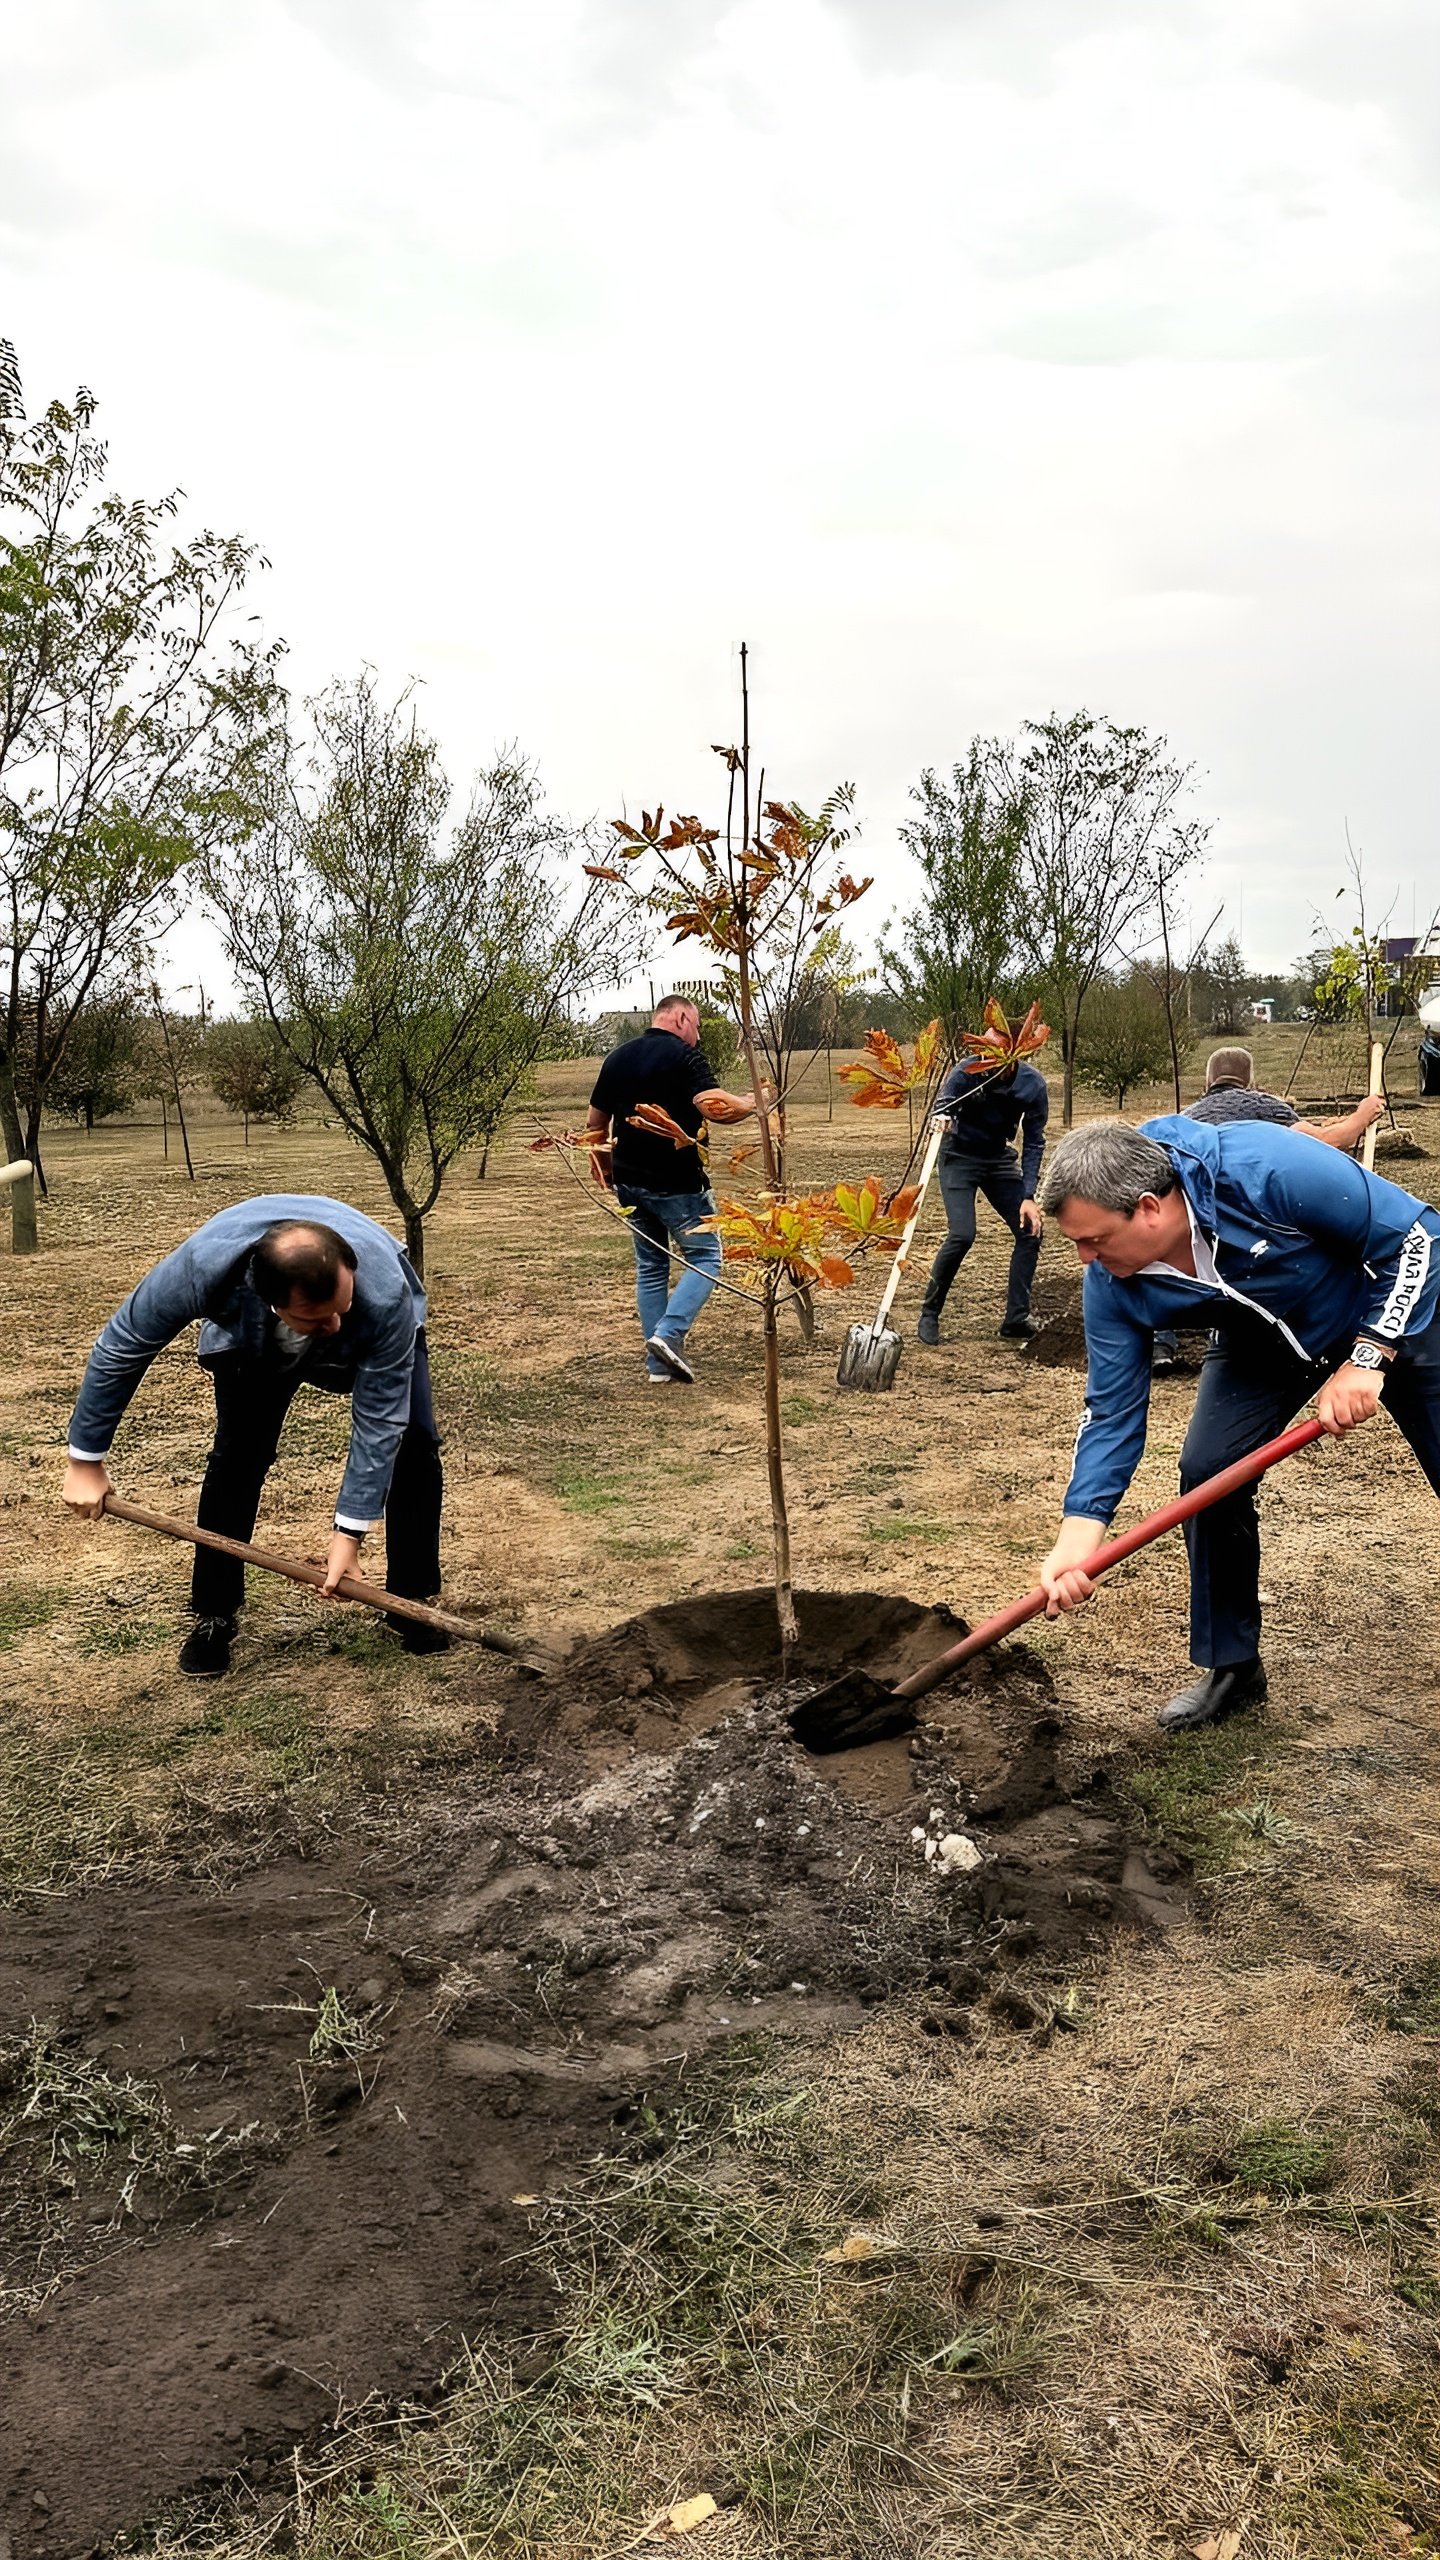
[(1019, 1329), (415, 1638), (928, 1329), (1215, 1694), (205, 1653)]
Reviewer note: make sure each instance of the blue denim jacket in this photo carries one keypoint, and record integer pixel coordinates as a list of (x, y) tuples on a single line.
[(208, 1277), (1302, 1237)]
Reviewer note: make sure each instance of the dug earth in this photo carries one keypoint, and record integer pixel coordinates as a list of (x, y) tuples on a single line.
[(265, 2140)]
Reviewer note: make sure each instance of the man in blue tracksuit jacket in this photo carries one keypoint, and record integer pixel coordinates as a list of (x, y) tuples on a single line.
[(984, 1113), (289, 1291), (1320, 1279)]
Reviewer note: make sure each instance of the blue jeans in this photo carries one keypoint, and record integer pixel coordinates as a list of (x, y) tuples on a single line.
[(659, 1216)]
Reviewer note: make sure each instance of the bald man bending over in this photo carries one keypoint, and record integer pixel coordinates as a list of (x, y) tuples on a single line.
[(289, 1291)]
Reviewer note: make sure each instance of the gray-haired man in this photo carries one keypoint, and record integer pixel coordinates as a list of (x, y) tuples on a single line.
[(1320, 1280)]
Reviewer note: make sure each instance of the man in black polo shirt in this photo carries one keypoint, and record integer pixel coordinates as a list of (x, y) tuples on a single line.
[(662, 1183)]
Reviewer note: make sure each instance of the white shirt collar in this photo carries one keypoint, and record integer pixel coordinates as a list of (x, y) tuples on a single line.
[(1205, 1270)]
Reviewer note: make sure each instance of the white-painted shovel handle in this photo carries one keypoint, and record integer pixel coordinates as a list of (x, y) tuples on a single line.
[(15, 1172), (938, 1136), (1377, 1085)]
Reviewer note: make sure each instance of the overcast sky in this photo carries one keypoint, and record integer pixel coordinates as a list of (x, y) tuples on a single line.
[(971, 358)]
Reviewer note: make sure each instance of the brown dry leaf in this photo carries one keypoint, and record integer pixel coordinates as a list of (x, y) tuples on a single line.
[(685, 2517), (858, 2245), (1223, 2545)]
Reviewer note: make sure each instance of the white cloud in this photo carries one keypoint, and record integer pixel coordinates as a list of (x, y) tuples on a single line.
[(969, 359)]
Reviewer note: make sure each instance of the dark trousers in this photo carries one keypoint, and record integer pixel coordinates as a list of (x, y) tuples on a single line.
[(1250, 1388), (959, 1182), (252, 1398)]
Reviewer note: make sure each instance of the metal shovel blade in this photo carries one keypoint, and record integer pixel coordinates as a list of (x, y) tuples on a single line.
[(852, 1710), (869, 1359)]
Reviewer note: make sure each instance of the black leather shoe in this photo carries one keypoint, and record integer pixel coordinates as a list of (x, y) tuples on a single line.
[(415, 1638), (205, 1653), (1216, 1694), (1019, 1329), (928, 1329)]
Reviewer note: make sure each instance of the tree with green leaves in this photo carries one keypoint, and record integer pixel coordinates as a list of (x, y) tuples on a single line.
[(1103, 822), (249, 1070), (131, 710), (1226, 982), (957, 944), (102, 1064), (415, 975), (1125, 1037)]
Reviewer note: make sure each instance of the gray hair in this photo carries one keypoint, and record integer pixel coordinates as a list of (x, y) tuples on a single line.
[(1109, 1163)]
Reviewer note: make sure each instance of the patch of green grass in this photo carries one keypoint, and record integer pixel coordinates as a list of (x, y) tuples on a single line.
[(901, 1526), (795, 1411), (1375, 2492), (638, 1547), (740, 1549), (121, 1634), (588, 1493), (1276, 2158), (1413, 2008), (1182, 1795), (22, 1610)]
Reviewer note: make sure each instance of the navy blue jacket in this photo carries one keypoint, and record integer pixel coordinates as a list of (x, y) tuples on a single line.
[(1301, 1235), (208, 1276), (986, 1111)]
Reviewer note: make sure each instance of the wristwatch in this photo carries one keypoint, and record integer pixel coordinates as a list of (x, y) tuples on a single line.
[(1368, 1355)]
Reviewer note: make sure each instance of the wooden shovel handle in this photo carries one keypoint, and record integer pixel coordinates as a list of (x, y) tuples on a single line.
[(1155, 1524), (351, 1586)]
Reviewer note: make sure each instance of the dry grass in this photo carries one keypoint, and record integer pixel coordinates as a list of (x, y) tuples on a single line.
[(1171, 2269)]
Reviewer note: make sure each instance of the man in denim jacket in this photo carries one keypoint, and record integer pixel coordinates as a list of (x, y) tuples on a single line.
[(1319, 1279), (289, 1291)]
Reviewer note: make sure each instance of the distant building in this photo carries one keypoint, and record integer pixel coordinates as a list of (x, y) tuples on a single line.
[(1262, 1008), (1412, 964)]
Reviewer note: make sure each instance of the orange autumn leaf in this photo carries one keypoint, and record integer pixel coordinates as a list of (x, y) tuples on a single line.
[(885, 1075), (997, 1046), (656, 1120), (569, 1138)]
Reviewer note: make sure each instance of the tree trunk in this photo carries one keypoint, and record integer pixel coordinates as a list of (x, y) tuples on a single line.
[(804, 1304), (24, 1228), (485, 1156), (774, 1459), (415, 1240), (164, 1128), (1067, 1104), (245, 1117), (89, 1115)]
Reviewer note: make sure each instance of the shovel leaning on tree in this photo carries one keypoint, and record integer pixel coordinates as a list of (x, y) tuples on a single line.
[(856, 1708), (870, 1353)]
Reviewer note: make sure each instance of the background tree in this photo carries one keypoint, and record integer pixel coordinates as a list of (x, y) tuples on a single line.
[(1124, 1037), (249, 1070), (415, 977), (958, 944), (1102, 810), (1225, 980), (128, 723), (102, 1062)]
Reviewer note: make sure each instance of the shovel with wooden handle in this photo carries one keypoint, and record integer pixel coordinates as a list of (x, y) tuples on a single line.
[(351, 1586), (856, 1708), (1377, 1085), (870, 1353), (15, 1172)]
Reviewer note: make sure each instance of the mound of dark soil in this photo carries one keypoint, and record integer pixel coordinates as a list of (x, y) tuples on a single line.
[(1060, 1344), (314, 2096)]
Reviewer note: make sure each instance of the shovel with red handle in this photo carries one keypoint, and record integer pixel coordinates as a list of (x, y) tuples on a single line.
[(856, 1708)]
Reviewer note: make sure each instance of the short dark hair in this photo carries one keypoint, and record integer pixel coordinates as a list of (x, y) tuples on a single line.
[(295, 1259)]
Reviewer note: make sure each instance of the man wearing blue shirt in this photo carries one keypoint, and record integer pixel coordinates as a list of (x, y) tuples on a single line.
[(1319, 1279), (289, 1291), (982, 1114)]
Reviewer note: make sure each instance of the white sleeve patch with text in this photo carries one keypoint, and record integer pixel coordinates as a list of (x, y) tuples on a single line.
[(1411, 1272)]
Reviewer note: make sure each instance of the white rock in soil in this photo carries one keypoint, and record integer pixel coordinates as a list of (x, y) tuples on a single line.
[(957, 1856)]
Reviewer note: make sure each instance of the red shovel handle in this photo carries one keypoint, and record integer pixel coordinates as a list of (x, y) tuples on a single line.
[(1169, 1516)]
